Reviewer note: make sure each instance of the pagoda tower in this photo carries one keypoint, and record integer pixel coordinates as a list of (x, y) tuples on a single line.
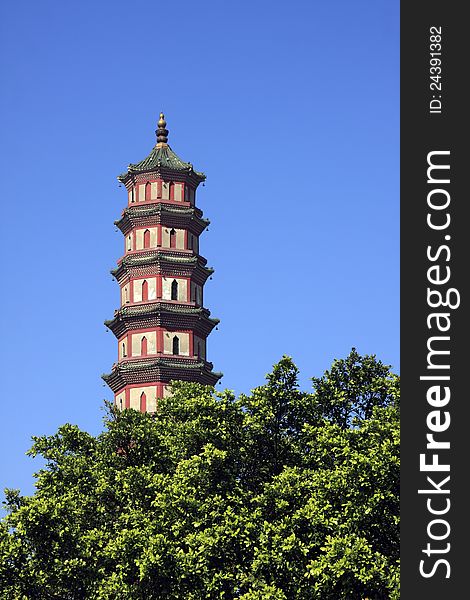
[(162, 325)]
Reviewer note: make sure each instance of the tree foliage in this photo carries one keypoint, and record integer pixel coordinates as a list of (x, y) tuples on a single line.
[(277, 495)]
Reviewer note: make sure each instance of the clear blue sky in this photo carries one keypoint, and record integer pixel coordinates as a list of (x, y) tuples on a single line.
[(291, 109)]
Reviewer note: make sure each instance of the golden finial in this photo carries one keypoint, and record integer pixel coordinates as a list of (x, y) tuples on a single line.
[(162, 132)]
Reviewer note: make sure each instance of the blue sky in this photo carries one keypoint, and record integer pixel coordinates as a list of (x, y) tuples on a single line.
[(291, 110)]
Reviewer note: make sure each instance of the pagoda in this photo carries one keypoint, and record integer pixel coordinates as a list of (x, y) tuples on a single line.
[(162, 325)]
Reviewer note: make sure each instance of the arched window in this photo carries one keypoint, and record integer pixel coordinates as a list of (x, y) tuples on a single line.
[(129, 242), (124, 353), (143, 402), (145, 291), (176, 345), (132, 195), (172, 238), (165, 190), (143, 346), (148, 192), (120, 403), (146, 238), (174, 290)]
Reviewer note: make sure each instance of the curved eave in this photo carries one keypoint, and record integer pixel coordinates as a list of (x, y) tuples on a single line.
[(160, 369), (161, 312), (161, 257), (161, 211), (163, 307)]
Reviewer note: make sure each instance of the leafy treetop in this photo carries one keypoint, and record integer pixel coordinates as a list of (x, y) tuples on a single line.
[(277, 495)]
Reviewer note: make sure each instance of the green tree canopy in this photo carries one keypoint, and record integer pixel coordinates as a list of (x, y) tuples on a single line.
[(278, 495)]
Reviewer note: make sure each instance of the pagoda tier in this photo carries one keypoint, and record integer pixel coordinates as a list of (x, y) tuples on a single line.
[(139, 384), (162, 326), (163, 262), (162, 214), (172, 316), (161, 369)]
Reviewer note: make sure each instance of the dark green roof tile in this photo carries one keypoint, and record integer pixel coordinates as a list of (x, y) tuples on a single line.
[(161, 157)]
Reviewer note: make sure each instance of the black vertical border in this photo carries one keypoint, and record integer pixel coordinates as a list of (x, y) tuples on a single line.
[(422, 132)]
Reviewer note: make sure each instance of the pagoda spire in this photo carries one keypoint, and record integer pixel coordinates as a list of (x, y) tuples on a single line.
[(162, 132)]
